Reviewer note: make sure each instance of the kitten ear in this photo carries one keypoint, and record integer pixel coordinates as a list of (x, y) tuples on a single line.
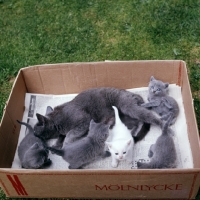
[(152, 78), (129, 142), (92, 122), (166, 85), (49, 110), (108, 144), (42, 119)]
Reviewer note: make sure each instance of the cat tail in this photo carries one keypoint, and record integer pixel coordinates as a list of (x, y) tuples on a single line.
[(27, 125), (117, 119), (165, 128), (142, 133), (58, 152)]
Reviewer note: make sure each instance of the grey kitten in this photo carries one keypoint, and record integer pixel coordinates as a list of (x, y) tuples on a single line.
[(85, 150), (72, 119), (160, 101), (163, 152), (31, 151)]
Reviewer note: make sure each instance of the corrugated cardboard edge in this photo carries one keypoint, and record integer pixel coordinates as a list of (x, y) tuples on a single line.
[(11, 108), (20, 77)]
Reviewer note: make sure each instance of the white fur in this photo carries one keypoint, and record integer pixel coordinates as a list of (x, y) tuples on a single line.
[(120, 141)]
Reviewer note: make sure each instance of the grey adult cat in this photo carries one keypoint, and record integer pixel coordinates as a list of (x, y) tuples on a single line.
[(87, 149), (72, 119), (31, 151), (163, 152), (160, 101)]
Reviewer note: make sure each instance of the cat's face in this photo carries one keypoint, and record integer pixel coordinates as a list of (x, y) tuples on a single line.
[(119, 149), (35, 157), (45, 128), (157, 88)]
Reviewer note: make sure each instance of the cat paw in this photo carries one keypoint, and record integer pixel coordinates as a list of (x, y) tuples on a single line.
[(139, 164), (114, 164), (47, 163), (73, 167)]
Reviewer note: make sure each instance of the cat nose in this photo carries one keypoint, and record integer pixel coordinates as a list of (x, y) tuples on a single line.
[(120, 157)]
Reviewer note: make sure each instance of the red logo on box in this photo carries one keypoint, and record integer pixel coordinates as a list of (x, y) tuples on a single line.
[(17, 185)]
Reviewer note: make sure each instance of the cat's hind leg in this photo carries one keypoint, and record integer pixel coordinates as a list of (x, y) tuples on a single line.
[(142, 132), (142, 114)]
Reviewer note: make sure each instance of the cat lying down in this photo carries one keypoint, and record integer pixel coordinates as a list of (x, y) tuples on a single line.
[(163, 152), (32, 152), (87, 149), (160, 102), (72, 119)]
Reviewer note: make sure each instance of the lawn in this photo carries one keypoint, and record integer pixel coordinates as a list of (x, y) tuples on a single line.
[(56, 31)]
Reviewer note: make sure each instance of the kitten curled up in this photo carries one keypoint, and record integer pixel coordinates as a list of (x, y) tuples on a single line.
[(120, 141), (160, 101), (31, 151), (72, 118), (87, 149), (163, 152)]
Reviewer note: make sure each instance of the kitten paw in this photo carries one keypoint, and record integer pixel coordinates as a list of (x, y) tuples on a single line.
[(139, 164), (47, 163), (114, 164)]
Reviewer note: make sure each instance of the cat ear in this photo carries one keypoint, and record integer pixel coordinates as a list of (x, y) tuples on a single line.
[(166, 85), (92, 122), (108, 144), (129, 142), (42, 119), (152, 78), (49, 110)]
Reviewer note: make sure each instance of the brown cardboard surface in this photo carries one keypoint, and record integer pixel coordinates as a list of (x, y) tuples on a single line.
[(76, 77)]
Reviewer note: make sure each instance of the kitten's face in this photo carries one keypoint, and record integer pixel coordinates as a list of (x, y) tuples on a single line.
[(44, 128), (35, 157), (119, 149), (157, 88)]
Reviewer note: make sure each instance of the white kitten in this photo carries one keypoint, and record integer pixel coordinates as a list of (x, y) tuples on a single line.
[(120, 141)]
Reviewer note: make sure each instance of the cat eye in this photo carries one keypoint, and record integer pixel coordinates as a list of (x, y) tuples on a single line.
[(158, 89), (124, 152), (116, 153)]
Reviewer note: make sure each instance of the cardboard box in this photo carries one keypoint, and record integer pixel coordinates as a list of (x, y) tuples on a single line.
[(73, 78)]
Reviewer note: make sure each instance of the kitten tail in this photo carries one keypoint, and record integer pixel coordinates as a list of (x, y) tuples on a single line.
[(27, 125), (117, 119), (165, 128), (59, 152)]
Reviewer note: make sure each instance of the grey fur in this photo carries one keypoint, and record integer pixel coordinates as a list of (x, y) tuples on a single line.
[(163, 152), (160, 101), (72, 119), (85, 150), (31, 151)]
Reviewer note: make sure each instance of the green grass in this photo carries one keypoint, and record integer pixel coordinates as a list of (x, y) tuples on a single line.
[(55, 31)]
